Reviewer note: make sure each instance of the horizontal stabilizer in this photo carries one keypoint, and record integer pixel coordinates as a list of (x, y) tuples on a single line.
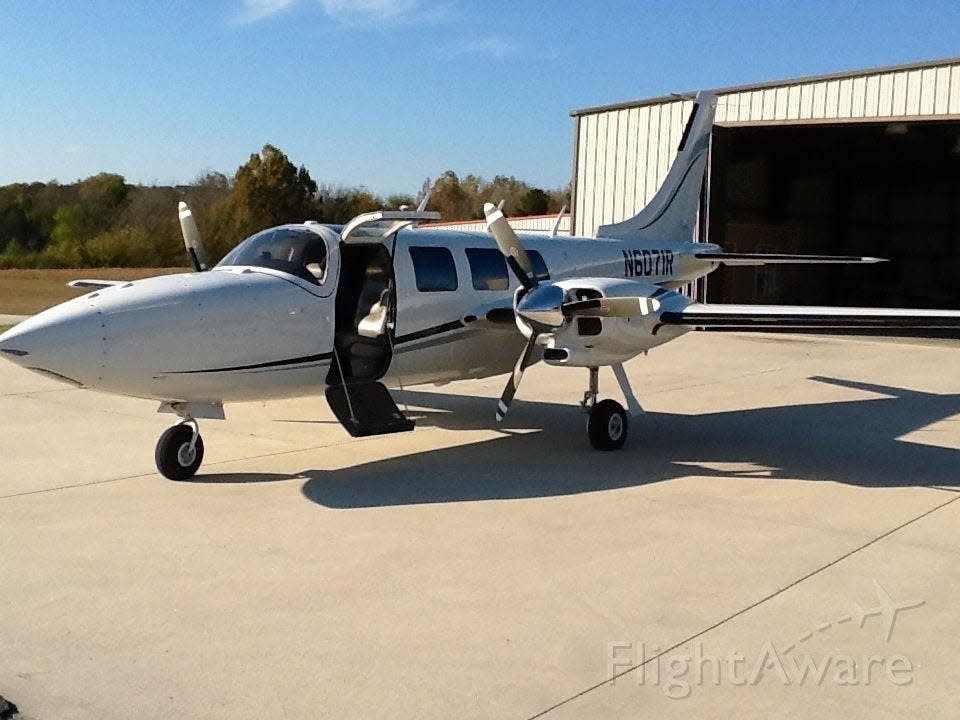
[(801, 317), (757, 259), (95, 283)]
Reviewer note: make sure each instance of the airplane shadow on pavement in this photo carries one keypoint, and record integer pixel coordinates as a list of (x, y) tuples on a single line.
[(853, 442)]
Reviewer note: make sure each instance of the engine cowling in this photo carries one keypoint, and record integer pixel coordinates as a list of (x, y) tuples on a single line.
[(587, 322)]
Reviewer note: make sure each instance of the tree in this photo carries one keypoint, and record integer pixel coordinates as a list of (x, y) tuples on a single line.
[(100, 200), (507, 189), (534, 202), (271, 190), (450, 199), (18, 230), (267, 190), (394, 202)]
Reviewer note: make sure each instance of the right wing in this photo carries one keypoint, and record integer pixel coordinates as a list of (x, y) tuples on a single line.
[(801, 317), (757, 259)]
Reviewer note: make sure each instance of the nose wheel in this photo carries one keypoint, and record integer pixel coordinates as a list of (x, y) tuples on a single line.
[(180, 451)]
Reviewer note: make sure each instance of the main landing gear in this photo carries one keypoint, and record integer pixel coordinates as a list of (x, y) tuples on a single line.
[(608, 421), (180, 450)]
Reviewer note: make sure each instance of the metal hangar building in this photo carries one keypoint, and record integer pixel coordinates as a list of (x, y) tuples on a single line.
[(855, 163)]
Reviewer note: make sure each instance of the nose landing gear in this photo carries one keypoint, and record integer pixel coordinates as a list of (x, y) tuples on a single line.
[(180, 450)]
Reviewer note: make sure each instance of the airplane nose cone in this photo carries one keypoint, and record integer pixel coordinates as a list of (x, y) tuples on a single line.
[(59, 342), (12, 346)]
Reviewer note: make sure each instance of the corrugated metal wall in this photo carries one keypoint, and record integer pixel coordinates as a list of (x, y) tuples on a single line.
[(622, 158), (623, 153)]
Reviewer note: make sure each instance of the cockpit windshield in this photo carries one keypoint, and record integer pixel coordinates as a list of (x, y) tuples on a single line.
[(290, 248)]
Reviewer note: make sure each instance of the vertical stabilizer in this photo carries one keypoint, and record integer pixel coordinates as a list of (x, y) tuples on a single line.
[(671, 214)]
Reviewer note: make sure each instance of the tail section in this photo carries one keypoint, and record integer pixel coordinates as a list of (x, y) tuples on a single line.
[(671, 214)]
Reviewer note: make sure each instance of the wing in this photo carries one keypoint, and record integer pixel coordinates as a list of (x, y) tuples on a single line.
[(800, 317), (95, 283), (757, 259)]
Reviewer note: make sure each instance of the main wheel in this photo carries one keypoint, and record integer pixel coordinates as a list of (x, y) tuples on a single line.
[(175, 459), (607, 427)]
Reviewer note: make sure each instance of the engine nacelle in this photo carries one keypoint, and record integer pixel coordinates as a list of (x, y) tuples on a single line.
[(594, 341)]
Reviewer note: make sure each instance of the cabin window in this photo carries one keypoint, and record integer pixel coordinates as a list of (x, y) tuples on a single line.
[(488, 269), (434, 269)]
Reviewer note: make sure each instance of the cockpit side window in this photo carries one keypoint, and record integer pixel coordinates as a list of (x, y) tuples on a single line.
[(295, 250)]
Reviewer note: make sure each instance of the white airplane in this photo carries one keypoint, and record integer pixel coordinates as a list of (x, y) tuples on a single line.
[(349, 310)]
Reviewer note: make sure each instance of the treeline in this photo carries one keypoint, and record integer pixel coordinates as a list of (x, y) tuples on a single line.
[(103, 221)]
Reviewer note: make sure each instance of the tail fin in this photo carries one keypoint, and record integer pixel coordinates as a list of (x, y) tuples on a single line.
[(671, 214)]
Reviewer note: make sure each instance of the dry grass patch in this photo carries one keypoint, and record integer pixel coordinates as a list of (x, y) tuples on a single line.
[(25, 292)]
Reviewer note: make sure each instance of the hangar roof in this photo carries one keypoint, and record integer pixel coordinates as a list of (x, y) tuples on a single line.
[(889, 71)]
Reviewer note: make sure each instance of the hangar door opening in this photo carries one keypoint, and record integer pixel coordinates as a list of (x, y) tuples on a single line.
[(885, 189)]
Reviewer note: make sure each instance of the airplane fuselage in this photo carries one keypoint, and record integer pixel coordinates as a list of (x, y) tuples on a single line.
[(249, 332)]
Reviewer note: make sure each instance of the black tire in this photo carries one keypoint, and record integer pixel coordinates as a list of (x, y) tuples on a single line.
[(607, 426), (172, 455)]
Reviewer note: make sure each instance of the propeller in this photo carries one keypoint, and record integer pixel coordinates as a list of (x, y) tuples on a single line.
[(523, 362), (191, 237), (540, 308), (520, 265)]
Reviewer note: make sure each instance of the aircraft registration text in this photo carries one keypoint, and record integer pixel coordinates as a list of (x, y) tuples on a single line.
[(643, 263)]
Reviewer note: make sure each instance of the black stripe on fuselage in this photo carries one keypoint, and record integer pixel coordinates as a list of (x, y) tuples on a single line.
[(262, 366), (322, 357), (429, 332)]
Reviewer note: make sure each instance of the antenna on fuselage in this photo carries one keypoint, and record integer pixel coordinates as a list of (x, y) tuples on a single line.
[(423, 203), (556, 223), (420, 208)]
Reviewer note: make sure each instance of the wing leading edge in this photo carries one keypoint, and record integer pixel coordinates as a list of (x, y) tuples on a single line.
[(800, 317)]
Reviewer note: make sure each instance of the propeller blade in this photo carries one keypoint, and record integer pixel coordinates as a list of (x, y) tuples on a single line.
[(191, 237), (510, 246), (611, 307), (503, 405)]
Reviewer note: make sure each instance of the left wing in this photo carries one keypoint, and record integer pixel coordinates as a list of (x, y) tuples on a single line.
[(95, 283), (800, 317)]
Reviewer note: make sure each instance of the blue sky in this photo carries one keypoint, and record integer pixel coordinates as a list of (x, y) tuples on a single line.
[(386, 93)]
